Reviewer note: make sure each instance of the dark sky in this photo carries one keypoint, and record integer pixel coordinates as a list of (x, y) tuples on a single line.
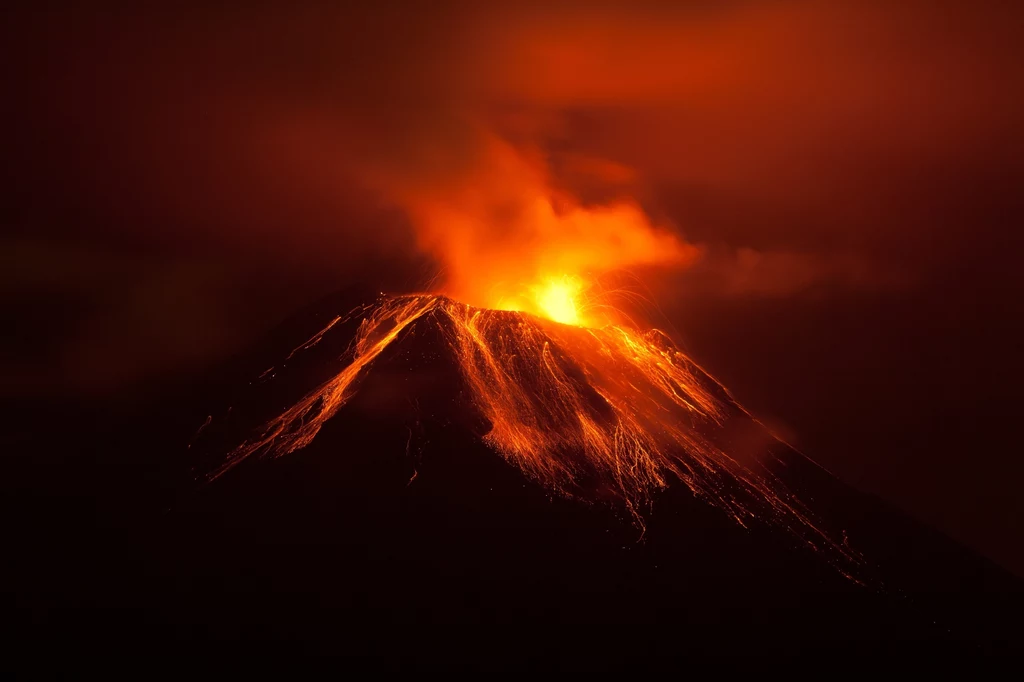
[(179, 181)]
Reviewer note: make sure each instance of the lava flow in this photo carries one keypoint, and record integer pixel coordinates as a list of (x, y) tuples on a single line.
[(604, 413)]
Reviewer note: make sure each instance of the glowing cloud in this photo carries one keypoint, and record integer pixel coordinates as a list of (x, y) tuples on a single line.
[(507, 238)]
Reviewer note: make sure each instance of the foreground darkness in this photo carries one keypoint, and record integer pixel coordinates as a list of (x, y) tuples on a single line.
[(397, 519)]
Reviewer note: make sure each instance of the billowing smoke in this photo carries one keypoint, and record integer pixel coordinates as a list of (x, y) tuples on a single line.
[(284, 152)]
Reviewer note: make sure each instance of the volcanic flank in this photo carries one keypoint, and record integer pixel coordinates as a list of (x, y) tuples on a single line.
[(419, 461), (606, 414), (387, 468)]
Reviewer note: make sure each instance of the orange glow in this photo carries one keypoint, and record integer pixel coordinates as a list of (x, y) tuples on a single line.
[(507, 237), (609, 413), (558, 299)]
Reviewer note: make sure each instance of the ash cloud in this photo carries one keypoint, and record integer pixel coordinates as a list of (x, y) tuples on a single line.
[(794, 144)]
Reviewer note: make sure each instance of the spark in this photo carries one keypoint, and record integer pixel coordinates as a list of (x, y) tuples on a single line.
[(195, 436), (313, 340)]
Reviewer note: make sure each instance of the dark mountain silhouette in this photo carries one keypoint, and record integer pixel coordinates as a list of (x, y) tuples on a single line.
[(400, 538)]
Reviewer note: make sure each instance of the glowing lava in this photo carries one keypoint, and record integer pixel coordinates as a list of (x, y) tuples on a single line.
[(607, 413), (558, 299)]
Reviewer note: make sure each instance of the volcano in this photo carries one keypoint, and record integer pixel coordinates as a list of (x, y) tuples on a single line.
[(606, 413), (417, 481)]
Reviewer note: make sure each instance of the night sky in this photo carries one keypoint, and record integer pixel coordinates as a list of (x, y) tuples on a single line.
[(177, 182)]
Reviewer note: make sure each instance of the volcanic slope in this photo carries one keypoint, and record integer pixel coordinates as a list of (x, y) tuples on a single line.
[(401, 498), (406, 511)]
